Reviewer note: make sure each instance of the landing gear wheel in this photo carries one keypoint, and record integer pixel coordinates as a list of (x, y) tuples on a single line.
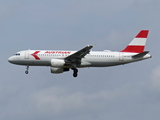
[(27, 69), (75, 74), (26, 72), (75, 71)]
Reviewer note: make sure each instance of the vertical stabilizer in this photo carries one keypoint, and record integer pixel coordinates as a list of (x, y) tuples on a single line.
[(137, 45)]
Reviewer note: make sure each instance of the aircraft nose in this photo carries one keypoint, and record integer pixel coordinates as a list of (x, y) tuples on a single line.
[(11, 59)]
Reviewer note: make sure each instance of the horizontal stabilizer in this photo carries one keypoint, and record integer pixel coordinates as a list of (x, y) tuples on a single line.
[(140, 54)]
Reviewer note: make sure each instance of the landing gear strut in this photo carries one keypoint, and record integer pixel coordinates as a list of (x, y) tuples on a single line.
[(27, 70), (75, 71)]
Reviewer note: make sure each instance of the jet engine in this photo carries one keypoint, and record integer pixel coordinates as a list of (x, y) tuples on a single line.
[(57, 70), (57, 63)]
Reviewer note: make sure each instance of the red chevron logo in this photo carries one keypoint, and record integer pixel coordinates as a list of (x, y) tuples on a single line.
[(35, 55)]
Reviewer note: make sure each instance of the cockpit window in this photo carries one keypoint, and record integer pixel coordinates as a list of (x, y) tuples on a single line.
[(17, 54)]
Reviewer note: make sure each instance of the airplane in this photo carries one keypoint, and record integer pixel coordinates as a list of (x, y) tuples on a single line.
[(64, 60)]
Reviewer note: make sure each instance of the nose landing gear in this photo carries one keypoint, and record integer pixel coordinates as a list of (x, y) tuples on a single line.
[(27, 70)]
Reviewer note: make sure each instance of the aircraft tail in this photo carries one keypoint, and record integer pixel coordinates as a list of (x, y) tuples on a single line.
[(137, 45)]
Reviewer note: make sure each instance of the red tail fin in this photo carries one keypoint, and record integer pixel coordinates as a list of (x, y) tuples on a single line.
[(138, 43)]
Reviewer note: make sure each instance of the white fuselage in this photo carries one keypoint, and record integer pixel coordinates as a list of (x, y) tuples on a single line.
[(93, 59), (62, 61)]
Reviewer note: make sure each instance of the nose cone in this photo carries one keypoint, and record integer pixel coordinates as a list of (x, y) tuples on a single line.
[(11, 59)]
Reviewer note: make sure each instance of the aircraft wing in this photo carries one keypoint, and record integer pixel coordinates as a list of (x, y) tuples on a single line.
[(77, 56)]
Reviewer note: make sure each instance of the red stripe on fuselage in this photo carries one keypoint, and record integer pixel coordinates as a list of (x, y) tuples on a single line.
[(134, 49), (35, 55)]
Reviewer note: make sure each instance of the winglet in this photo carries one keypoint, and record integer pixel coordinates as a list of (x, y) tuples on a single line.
[(137, 45)]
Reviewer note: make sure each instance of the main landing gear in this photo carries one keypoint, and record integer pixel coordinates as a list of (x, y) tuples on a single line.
[(27, 70), (75, 72)]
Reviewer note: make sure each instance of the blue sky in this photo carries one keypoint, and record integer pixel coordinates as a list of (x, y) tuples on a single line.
[(118, 93)]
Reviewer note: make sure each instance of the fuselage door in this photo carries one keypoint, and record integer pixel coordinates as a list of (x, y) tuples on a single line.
[(121, 56), (27, 54)]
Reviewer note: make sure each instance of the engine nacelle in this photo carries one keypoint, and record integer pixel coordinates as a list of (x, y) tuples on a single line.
[(57, 63), (57, 70)]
